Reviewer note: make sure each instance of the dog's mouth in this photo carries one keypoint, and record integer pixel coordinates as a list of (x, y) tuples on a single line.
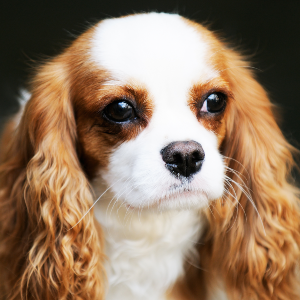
[(179, 194)]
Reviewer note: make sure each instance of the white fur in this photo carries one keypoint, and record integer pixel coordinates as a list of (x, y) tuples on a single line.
[(23, 99), (146, 251), (153, 221)]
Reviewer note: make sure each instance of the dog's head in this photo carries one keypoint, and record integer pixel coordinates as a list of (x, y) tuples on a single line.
[(156, 119), (169, 118)]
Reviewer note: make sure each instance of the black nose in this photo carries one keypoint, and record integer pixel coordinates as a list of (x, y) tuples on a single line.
[(183, 158)]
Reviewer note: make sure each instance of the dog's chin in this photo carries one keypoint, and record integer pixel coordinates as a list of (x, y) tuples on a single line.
[(172, 201)]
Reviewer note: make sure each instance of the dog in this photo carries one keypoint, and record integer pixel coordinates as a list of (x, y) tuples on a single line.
[(146, 164)]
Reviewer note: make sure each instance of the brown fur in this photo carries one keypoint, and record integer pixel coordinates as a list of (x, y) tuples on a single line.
[(214, 122), (43, 194), (253, 245)]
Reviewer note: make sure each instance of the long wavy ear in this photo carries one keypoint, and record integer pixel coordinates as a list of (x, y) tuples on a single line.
[(253, 239), (43, 194)]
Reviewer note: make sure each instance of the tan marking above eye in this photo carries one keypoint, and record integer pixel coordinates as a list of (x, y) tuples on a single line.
[(198, 95)]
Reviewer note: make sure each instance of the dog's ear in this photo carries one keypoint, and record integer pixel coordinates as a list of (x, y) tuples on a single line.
[(254, 231), (48, 253)]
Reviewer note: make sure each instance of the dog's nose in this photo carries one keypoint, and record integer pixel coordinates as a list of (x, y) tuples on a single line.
[(183, 158)]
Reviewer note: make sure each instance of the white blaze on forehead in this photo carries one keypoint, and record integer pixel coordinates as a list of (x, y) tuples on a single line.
[(159, 50)]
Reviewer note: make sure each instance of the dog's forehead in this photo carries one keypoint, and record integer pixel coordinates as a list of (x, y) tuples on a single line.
[(161, 51)]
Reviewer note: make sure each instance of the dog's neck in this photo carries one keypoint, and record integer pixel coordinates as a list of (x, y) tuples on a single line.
[(146, 250)]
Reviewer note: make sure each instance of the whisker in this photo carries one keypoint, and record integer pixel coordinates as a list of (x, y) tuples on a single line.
[(227, 157), (126, 181), (94, 203), (236, 198), (213, 204), (233, 196), (236, 207), (118, 197), (208, 206), (238, 174), (248, 195)]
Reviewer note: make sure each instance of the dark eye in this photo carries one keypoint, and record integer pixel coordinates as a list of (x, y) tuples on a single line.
[(214, 103), (119, 111)]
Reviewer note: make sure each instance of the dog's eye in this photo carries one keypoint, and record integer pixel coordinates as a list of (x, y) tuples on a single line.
[(214, 103), (119, 111)]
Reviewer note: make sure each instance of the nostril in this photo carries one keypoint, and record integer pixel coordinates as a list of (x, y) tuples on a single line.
[(177, 158), (196, 156)]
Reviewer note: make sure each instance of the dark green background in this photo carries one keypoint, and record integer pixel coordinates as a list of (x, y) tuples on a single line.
[(269, 31)]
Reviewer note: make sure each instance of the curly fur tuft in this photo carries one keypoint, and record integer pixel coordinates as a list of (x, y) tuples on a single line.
[(44, 193)]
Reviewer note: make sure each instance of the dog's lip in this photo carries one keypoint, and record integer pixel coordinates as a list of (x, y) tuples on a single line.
[(180, 193), (177, 196), (173, 196)]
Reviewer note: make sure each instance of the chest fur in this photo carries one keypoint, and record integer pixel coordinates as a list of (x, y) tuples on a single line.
[(146, 251)]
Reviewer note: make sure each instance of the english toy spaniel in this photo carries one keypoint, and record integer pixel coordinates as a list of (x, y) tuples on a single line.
[(147, 164)]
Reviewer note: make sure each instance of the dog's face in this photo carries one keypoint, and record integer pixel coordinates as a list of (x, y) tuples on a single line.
[(155, 124)]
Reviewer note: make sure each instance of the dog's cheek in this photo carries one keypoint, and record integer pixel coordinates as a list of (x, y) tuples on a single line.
[(94, 152)]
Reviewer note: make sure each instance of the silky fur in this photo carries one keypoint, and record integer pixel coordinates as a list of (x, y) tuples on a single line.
[(51, 249)]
